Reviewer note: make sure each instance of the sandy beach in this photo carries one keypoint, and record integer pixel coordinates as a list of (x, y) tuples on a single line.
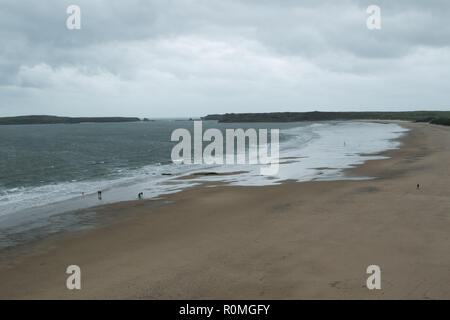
[(311, 240)]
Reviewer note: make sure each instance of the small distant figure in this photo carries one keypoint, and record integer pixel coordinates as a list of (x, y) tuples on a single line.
[(82, 194), (418, 187), (140, 195), (99, 195)]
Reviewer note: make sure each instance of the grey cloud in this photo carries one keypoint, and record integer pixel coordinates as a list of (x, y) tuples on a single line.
[(190, 57)]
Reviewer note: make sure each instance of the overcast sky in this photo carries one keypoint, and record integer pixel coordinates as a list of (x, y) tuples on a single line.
[(166, 58)]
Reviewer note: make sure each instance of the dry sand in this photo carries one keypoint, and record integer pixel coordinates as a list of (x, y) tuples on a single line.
[(292, 241)]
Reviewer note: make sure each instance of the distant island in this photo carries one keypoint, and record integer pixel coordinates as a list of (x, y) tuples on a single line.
[(38, 119), (435, 117)]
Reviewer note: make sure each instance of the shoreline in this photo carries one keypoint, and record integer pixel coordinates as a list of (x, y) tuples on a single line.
[(222, 251), (58, 216)]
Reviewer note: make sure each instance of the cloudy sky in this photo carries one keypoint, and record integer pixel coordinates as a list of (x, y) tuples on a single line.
[(166, 58)]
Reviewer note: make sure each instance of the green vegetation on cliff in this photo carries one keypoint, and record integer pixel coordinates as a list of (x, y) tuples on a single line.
[(437, 117), (442, 121)]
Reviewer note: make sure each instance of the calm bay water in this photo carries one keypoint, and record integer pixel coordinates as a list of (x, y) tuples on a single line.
[(46, 163)]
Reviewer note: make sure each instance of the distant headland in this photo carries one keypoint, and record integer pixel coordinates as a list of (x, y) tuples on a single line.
[(43, 119), (435, 117)]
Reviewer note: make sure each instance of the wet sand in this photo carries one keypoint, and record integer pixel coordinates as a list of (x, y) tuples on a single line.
[(311, 240)]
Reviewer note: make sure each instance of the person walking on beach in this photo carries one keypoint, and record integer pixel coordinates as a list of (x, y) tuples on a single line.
[(418, 186), (99, 195), (140, 195)]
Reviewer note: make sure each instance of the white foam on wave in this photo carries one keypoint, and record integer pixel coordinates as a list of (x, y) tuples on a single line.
[(152, 176)]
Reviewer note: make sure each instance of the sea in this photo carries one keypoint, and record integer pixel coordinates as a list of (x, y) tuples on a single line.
[(49, 170)]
